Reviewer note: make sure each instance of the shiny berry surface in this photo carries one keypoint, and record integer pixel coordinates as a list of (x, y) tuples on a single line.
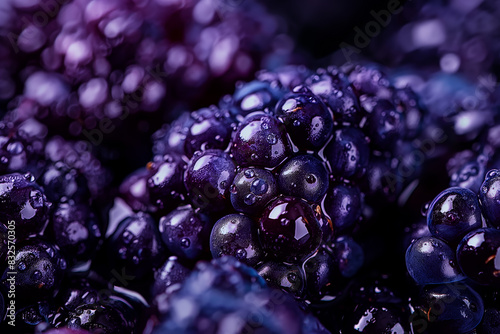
[(208, 178), (304, 176), (306, 118), (289, 229), (186, 233), (40, 269), (76, 231), (489, 195), (455, 308), (24, 202), (454, 213), (478, 255), (164, 183), (236, 235), (348, 153), (260, 141), (252, 189), (430, 260), (136, 246), (343, 204)]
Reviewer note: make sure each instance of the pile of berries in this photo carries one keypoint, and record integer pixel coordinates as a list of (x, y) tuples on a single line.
[(292, 204)]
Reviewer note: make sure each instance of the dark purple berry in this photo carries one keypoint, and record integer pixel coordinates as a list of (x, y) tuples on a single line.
[(303, 176), (76, 231), (24, 202), (210, 129), (164, 183), (236, 235), (135, 247), (307, 119), (186, 233), (430, 260), (343, 204), (454, 213), (348, 153), (208, 178), (489, 196), (289, 229), (252, 189), (260, 141), (478, 255)]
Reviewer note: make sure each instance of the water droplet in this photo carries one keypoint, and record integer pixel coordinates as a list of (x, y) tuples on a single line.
[(223, 185), (127, 237), (21, 266), (249, 173), (37, 275), (4, 160), (310, 178), (185, 242), (284, 221), (250, 199), (493, 173), (259, 187), (135, 259), (292, 278), (241, 254), (296, 123), (264, 126), (484, 189), (271, 139), (254, 156), (233, 189), (123, 252)]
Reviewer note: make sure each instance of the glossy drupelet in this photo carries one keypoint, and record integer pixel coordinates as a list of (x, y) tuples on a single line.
[(207, 179), (348, 153), (478, 255), (76, 231), (40, 270), (430, 260), (450, 308), (307, 119), (164, 183), (186, 233), (236, 235), (489, 194), (252, 189), (135, 248), (260, 140), (289, 229), (304, 176), (23, 201), (454, 213)]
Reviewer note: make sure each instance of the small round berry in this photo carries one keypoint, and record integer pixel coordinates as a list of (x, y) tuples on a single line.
[(348, 153), (164, 183), (186, 233), (306, 118), (430, 260), (454, 213), (287, 277), (478, 255), (260, 141), (135, 246), (236, 235), (252, 189), (303, 176), (489, 197), (343, 204), (208, 178), (289, 229)]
